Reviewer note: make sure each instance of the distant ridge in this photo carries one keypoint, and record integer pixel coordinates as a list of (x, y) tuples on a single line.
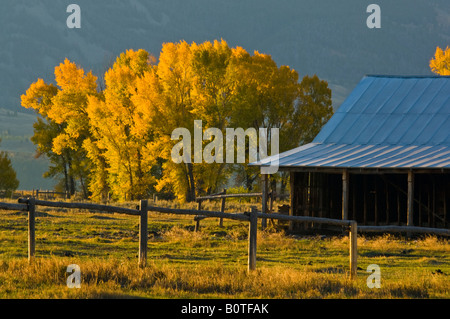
[(326, 37)]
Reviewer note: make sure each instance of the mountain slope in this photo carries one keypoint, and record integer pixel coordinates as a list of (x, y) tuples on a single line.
[(325, 37)]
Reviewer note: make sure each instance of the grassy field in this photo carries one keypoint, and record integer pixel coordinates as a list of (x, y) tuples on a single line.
[(211, 263)]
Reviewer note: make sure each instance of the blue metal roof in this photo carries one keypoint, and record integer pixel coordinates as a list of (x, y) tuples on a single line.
[(386, 122)]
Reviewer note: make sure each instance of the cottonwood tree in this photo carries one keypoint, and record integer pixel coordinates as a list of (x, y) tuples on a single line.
[(64, 109), (265, 98), (440, 64), (270, 96), (116, 146), (8, 178), (164, 102), (118, 139), (313, 108), (213, 90)]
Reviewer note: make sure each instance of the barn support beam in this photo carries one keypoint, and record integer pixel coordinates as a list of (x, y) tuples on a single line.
[(410, 204), (345, 193), (444, 200), (375, 208), (386, 185), (292, 199), (365, 199)]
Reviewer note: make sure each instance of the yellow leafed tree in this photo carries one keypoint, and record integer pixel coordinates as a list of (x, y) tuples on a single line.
[(119, 141), (440, 64), (64, 107), (164, 103), (116, 146)]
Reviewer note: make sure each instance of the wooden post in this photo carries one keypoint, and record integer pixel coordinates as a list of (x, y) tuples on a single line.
[(321, 197), (31, 229), (410, 205), (420, 207), (222, 208), (434, 204), (365, 199), (143, 233), (345, 191), (375, 209), (387, 204), (353, 201), (197, 223), (444, 199), (398, 208), (272, 194), (252, 234), (429, 207), (353, 236), (292, 199), (264, 182)]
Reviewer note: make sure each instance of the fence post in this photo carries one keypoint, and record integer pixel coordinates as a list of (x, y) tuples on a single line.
[(252, 234), (222, 208), (272, 196), (345, 194), (31, 229), (264, 182), (353, 239), (143, 233), (197, 223)]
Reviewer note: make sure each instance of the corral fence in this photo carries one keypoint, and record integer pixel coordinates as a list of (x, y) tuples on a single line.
[(36, 193), (50, 194), (223, 196), (29, 205)]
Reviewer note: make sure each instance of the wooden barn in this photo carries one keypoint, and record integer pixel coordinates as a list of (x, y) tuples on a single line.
[(382, 159)]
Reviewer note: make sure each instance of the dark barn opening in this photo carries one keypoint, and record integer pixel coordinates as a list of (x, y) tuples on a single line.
[(373, 199)]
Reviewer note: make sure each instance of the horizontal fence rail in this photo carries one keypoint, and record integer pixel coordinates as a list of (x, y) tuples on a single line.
[(207, 213), (218, 196), (306, 219), (8, 206), (223, 196), (88, 206), (404, 229)]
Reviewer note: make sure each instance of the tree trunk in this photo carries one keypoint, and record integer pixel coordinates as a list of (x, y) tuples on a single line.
[(66, 175), (70, 173), (190, 196)]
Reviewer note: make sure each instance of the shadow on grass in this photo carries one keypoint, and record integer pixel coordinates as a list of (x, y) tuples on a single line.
[(331, 270), (403, 253), (111, 295)]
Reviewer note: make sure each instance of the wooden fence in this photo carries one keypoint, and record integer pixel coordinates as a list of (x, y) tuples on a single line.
[(49, 194), (223, 196), (36, 193), (29, 205)]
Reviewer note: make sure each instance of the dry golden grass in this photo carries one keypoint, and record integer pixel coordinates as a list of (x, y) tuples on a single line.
[(46, 278)]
